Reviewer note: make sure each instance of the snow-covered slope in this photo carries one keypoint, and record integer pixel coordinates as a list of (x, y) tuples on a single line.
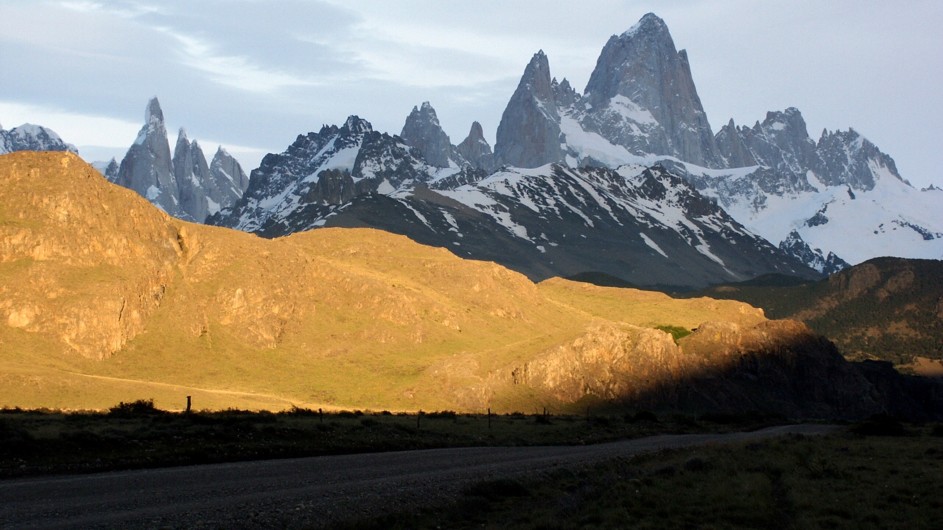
[(840, 196), (321, 172), (642, 225)]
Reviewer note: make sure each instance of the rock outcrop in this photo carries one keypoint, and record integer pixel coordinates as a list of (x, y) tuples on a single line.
[(778, 367)]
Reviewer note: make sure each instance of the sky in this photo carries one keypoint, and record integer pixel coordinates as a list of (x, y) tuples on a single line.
[(253, 74)]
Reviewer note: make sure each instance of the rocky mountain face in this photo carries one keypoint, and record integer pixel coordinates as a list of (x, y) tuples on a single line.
[(184, 185), (109, 169), (147, 168), (29, 137), (320, 173), (828, 203), (95, 277), (641, 96), (529, 132), (640, 100), (796, 247)]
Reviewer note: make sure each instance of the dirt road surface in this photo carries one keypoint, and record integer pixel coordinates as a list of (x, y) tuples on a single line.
[(305, 492)]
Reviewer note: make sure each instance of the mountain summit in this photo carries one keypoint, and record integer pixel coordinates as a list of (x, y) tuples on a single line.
[(184, 185), (422, 131), (640, 100), (529, 132)]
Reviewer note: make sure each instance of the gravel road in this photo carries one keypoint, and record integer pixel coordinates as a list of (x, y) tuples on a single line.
[(304, 492)]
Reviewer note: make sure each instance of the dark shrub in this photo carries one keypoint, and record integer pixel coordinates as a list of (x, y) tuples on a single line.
[(880, 425), (141, 407)]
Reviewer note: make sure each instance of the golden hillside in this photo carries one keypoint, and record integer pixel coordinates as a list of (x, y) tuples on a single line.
[(105, 298)]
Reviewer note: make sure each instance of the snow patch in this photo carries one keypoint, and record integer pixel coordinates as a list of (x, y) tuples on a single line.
[(654, 246)]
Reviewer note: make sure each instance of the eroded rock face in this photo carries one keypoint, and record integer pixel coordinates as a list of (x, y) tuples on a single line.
[(607, 362), (96, 272), (774, 366)]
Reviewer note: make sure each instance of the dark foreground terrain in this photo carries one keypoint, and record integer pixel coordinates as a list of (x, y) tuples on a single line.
[(312, 492), (725, 472), (864, 477)]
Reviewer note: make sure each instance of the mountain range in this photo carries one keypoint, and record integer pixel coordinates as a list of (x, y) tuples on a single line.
[(29, 137), (183, 185), (626, 180)]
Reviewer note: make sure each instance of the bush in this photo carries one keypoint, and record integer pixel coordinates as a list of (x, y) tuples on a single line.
[(677, 332), (141, 407), (880, 425)]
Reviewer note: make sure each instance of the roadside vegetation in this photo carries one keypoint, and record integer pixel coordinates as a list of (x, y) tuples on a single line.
[(878, 474)]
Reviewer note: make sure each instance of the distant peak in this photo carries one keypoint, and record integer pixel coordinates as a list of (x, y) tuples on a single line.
[(538, 64), (356, 125), (476, 131), (647, 24), (181, 134), (153, 112), (427, 106)]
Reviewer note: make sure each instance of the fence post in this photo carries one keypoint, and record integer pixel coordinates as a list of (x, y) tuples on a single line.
[(489, 418), (418, 418), (188, 404)]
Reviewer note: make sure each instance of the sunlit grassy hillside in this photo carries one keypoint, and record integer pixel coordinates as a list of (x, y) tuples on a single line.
[(104, 298)]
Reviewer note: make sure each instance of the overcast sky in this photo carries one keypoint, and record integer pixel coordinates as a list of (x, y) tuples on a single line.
[(251, 75)]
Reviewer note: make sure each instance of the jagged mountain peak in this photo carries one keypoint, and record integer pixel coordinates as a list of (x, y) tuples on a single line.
[(356, 125), (537, 76), (476, 132), (476, 150), (183, 184), (153, 113), (650, 23), (641, 96), (790, 119), (528, 135), (422, 131)]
